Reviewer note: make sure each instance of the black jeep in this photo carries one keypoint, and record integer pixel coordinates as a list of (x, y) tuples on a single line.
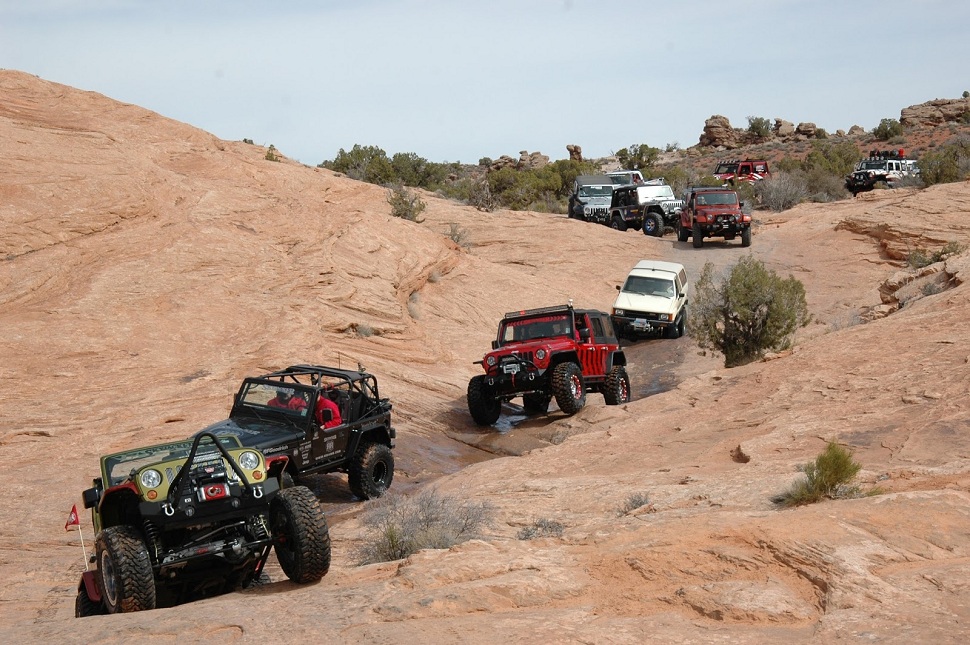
[(307, 431), (190, 519)]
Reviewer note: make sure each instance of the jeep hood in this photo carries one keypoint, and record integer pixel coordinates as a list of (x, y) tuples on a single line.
[(648, 304), (270, 438)]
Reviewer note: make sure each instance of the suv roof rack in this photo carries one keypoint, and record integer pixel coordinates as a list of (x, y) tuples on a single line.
[(541, 310)]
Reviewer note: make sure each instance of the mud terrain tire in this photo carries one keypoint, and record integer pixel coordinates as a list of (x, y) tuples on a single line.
[(569, 388), (617, 223), (485, 410), (746, 237), (371, 470), (617, 386), (125, 576), (683, 234), (84, 606), (697, 235), (653, 225), (536, 402), (301, 537)]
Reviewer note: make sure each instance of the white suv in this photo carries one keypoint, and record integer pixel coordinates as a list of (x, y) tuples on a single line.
[(653, 299)]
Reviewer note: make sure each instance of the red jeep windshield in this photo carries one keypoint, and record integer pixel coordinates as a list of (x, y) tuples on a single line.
[(529, 328), (718, 199)]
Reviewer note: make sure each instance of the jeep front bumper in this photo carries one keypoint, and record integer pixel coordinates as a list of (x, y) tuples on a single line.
[(640, 323)]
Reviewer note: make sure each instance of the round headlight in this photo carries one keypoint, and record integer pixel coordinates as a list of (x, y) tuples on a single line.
[(150, 478), (541, 354), (618, 312), (249, 460), (491, 361)]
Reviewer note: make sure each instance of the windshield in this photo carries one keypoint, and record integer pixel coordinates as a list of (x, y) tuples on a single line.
[(655, 192), (595, 191), (649, 286), (708, 199), (531, 328), (725, 168), (275, 397), (118, 467), (873, 165)]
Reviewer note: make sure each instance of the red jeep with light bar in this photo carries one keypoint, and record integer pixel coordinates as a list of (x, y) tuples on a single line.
[(550, 352)]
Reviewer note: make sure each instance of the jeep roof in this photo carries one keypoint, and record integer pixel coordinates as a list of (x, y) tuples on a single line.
[(593, 180)]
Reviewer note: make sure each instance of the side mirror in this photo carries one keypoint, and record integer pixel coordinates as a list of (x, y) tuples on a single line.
[(584, 334), (619, 288), (741, 205), (91, 497), (326, 414), (494, 344)]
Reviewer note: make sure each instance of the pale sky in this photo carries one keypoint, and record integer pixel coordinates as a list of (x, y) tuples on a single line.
[(454, 80)]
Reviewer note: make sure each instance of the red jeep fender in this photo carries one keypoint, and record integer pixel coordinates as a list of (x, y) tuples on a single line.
[(89, 586)]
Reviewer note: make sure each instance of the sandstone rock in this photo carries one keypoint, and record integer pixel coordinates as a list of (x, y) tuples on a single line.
[(783, 128), (718, 133), (575, 152), (934, 112)]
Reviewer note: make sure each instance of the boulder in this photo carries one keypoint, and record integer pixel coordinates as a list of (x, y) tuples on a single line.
[(718, 133), (934, 112), (575, 152)]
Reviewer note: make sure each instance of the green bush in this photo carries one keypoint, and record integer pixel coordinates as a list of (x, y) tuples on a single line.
[(412, 170), (524, 189), (638, 156), (837, 159), (887, 129), (759, 126), (749, 313), (400, 526), (363, 163), (405, 203), (829, 476), (918, 258), (948, 163), (271, 154)]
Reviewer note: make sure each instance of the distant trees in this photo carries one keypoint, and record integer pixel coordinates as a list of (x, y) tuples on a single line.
[(951, 162), (638, 156), (759, 126), (887, 129)]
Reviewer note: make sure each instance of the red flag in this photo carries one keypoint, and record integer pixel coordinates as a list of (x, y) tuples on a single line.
[(72, 519)]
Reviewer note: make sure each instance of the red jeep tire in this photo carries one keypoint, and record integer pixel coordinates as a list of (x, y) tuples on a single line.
[(569, 388), (484, 408)]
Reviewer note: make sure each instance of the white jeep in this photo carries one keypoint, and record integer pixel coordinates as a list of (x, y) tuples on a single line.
[(653, 299)]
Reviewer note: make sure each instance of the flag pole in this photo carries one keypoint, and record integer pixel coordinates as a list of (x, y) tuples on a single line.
[(83, 550)]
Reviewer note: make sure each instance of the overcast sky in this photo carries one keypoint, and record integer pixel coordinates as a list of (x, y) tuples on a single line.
[(455, 80)]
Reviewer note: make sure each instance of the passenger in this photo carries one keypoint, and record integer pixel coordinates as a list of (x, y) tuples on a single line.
[(285, 400), (324, 403)]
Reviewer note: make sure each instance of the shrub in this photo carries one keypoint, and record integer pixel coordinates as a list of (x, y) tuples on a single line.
[(401, 526), (887, 129), (458, 235), (412, 170), (541, 528), (633, 502), (948, 163), (405, 203), (271, 154), (749, 313), (829, 476), (759, 126), (363, 163), (918, 258), (639, 155), (782, 191)]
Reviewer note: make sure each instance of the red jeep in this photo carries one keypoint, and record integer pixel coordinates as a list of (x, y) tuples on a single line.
[(550, 352), (749, 170), (713, 212)]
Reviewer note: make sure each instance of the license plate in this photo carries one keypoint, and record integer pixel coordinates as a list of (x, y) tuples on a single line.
[(640, 322), (511, 368)]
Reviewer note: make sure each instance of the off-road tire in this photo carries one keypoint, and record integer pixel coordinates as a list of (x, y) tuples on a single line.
[(682, 323), (617, 386), (287, 480), (569, 388), (697, 236), (746, 236), (84, 606), (683, 234), (617, 223), (371, 470), (301, 537), (125, 576), (536, 402), (485, 409), (653, 225)]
